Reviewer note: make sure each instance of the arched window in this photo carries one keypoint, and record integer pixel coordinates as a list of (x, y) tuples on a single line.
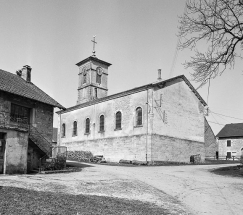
[(84, 77), (118, 120), (102, 123), (139, 116), (63, 130), (87, 126), (75, 128)]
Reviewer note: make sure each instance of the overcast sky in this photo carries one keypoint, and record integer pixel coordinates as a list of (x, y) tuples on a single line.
[(136, 36)]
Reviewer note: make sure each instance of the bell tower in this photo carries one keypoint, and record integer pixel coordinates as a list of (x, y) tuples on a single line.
[(93, 78)]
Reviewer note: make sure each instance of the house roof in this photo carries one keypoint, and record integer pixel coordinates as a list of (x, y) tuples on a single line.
[(231, 130), (159, 84), (54, 135), (14, 84)]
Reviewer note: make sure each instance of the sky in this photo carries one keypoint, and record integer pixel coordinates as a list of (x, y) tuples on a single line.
[(137, 37)]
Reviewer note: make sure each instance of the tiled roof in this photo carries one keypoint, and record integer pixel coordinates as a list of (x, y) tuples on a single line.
[(135, 90), (231, 130), (14, 84)]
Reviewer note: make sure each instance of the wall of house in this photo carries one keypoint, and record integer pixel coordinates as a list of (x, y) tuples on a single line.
[(235, 148), (211, 145), (16, 136), (44, 120), (15, 152)]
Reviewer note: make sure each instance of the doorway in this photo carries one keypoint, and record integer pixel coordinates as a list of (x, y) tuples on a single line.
[(2, 151)]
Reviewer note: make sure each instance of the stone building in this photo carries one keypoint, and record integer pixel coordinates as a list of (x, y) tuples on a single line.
[(230, 140), (161, 121), (26, 122), (211, 146)]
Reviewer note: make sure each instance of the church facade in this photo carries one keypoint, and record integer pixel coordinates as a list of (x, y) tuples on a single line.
[(161, 121)]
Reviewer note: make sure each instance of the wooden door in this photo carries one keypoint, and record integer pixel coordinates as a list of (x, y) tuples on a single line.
[(2, 152)]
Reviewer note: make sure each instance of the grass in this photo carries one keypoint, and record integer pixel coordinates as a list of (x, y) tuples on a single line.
[(233, 171), (17, 201)]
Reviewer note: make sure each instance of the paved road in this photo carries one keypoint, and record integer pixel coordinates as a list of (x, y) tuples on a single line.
[(197, 190)]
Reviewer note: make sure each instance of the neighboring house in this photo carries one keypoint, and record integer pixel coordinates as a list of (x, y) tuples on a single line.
[(230, 140), (211, 146), (26, 122), (161, 121)]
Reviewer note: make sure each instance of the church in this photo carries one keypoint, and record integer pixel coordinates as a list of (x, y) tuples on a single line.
[(160, 121)]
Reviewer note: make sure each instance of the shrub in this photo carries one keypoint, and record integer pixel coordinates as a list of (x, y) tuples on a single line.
[(57, 163)]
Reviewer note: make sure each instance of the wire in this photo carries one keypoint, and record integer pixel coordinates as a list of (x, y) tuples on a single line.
[(226, 116), (216, 123)]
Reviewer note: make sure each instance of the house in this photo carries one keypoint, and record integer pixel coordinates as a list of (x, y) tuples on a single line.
[(230, 140), (160, 121), (26, 122), (211, 146)]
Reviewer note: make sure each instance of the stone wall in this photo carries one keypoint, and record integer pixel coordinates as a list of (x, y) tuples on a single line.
[(211, 145), (166, 148), (235, 148)]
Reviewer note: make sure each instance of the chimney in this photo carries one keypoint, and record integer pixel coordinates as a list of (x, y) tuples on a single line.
[(159, 75), (26, 73)]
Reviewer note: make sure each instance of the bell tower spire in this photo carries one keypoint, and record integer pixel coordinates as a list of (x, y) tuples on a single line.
[(93, 78)]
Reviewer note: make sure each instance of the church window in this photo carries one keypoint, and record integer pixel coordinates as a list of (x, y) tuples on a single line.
[(139, 117), (96, 93), (63, 130), (102, 123), (84, 77), (75, 128), (87, 126), (98, 78), (118, 120)]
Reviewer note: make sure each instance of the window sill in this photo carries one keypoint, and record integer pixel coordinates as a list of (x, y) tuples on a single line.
[(101, 131), (117, 129), (75, 135), (138, 126), (63, 137), (87, 133)]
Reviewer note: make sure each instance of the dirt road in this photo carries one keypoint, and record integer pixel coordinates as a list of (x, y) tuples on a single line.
[(190, 189)]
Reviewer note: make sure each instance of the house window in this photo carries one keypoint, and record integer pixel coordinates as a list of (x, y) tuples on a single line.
[(102, 123), (139, 117), (19, 114), (63, 130), (87, 126), (98, 78), (228, 143), (228, 154), (75, 128), (118, 120)]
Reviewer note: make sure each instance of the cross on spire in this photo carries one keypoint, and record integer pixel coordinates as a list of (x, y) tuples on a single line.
[(94, 42)]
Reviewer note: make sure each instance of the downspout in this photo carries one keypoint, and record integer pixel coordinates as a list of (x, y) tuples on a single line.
[(60, 133), (147, 129)]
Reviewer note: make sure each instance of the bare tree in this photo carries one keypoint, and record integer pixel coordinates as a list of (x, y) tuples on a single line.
[(217, 23)]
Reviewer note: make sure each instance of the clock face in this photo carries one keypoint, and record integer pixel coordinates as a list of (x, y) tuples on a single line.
[(99, 70)]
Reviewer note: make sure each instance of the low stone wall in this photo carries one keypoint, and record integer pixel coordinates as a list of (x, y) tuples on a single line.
[(79, 155)]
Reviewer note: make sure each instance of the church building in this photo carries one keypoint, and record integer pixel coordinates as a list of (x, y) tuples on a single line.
[(160, 121)]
